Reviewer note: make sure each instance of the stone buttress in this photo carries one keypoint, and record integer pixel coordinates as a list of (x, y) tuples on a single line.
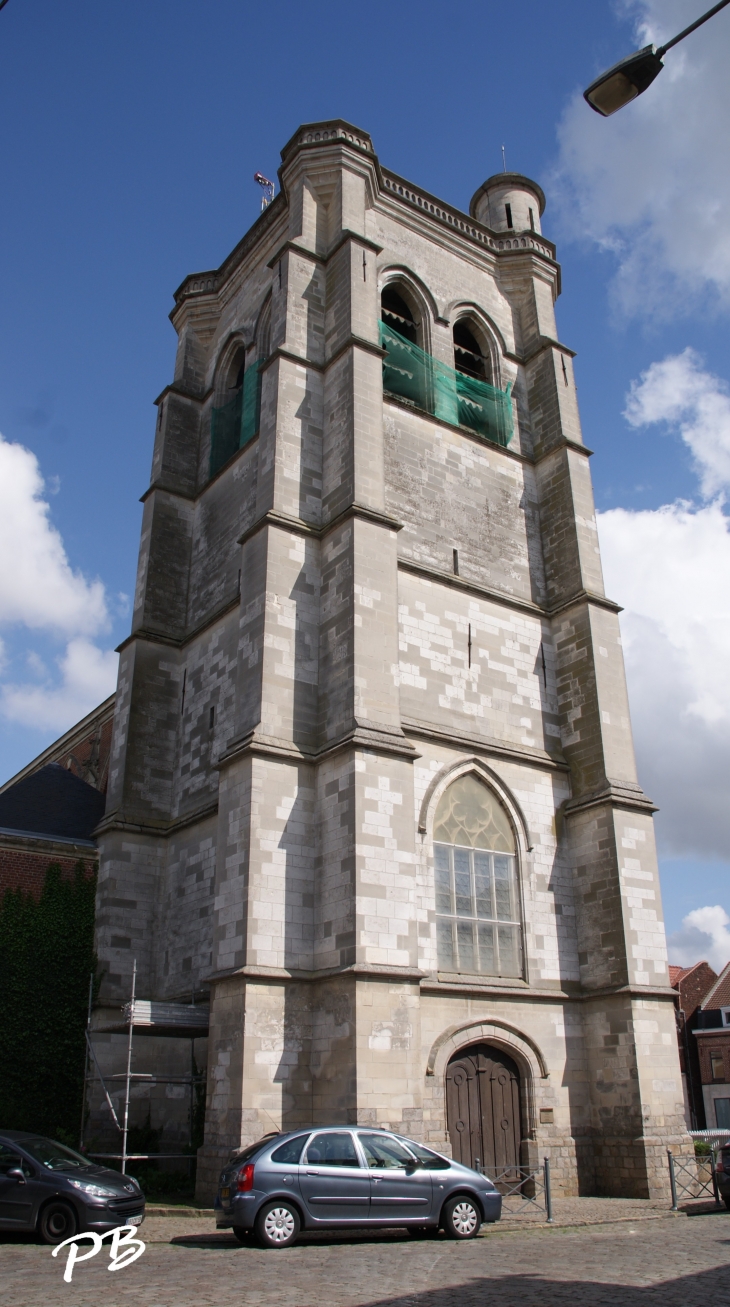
[(362, 603)]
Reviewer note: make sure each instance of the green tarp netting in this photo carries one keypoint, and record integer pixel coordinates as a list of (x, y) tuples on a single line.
[(234, 424), (411, 373)]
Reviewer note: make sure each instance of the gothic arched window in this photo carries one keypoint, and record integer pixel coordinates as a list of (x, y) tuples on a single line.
[(469, 357), (406, 369), (478, 925), (397, 313)]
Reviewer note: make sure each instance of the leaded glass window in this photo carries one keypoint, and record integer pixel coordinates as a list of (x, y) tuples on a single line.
[(478, 925)]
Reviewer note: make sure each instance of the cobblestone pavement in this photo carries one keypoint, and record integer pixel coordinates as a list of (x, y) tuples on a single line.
[(665, 1261)]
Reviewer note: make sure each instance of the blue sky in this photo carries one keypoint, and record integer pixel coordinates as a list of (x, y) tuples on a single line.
[(131, 134)]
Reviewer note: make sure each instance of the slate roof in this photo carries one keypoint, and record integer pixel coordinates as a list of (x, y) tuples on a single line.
[(52, 802), (719, 995)]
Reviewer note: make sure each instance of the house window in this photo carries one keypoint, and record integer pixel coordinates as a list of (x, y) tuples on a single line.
[(722, 1113), (478, 920), (717, 1066), (725, 1013)]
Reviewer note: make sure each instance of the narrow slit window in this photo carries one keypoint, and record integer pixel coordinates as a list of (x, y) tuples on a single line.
[(532, 219), (211, 717), (508, 211)]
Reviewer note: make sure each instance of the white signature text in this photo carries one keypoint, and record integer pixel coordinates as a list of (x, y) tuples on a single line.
[(122, 1250)]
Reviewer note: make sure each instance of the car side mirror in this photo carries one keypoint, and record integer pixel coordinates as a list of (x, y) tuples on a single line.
[(15, 1173)]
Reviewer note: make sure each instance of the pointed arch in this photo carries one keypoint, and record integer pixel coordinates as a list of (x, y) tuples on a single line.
[(492, 1030), (416, 294), (444, 778), (229, 367), (486, 331)]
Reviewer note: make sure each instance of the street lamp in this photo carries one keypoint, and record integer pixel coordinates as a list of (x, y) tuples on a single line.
[(627, 79)]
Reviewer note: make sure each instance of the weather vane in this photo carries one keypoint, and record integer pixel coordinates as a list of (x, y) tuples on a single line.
[(267, 188)]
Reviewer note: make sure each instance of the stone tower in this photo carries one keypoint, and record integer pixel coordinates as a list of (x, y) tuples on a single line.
[(372, 777)]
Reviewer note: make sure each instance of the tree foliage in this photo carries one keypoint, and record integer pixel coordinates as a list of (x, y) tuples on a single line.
[(46, 959)]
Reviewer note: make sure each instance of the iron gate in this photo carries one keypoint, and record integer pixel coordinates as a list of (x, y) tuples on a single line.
[(692, 1177)]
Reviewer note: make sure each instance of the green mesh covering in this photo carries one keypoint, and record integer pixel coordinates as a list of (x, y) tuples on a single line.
[(414, 375), (232, 425)]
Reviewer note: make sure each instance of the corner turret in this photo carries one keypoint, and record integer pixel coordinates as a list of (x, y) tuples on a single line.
[(509, 202)]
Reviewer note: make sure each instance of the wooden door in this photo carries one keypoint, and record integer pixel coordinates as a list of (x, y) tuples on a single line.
[(483, 1109)]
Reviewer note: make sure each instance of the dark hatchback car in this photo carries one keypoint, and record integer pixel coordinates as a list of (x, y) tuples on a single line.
[(722, 1171), (333, 1177), (50, 1189)]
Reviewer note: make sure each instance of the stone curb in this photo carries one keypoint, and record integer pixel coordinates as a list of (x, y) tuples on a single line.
[(194, 1213), (511, 1227)]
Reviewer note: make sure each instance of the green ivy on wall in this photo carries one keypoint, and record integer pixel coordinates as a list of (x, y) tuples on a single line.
[(46, 959)]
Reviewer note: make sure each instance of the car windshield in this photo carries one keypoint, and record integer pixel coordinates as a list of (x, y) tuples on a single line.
[(55, 1156)]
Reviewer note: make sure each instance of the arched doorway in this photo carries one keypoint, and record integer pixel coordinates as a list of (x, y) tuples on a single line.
[(483, 1108)]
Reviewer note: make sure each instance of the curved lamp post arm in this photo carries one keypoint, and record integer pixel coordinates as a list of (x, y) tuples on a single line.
[(628, 78), (697, 23)]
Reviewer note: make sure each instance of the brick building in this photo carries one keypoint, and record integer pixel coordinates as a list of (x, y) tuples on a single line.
[(712, 1034), (372, 779), (691, 985), (49, 810)]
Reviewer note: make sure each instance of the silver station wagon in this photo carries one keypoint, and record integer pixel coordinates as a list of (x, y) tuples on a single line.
[(333, 1178)]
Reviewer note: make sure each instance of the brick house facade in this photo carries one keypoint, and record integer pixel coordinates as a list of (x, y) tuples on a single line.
[(692, 984), (712, 1035)]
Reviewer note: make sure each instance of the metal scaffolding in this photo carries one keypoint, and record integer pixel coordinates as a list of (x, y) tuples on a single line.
[(147, 1018)]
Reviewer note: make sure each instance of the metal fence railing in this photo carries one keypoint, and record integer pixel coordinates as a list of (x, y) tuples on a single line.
[(525, 1191), (692, 1178)]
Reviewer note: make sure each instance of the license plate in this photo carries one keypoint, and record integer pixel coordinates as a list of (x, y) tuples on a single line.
[(134, 1220), (226, 1193)]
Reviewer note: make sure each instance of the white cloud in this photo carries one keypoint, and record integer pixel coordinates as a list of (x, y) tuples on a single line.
[(704, 936), (41, 592), (670, 568), (38, 587), (649, 184), (679, 391), (88, 675)]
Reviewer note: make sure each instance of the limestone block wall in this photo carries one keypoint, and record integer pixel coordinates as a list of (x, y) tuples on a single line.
[(468, 664), (363, 603)]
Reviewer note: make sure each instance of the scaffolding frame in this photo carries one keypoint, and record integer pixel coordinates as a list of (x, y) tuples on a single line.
[(156, 1020)]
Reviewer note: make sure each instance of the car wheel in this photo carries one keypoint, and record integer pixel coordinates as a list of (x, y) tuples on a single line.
[(57, 1222), (461, 1218), (726, 1200), (277, 1225), (241, 1234)]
